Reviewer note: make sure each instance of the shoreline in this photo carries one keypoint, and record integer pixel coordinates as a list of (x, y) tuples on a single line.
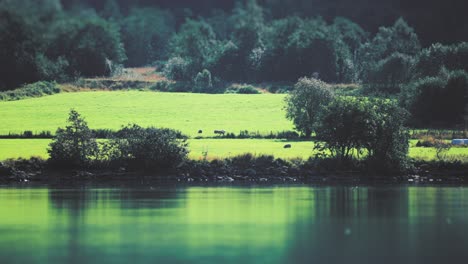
[(337, 177)]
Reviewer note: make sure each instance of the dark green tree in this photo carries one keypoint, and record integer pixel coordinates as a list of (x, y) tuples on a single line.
[(390, 74), (437, 101), (305, 102), (203, 82), (74, 145), (400, 38), (373, 129), (145, 34), (88, 45), (18, 50)]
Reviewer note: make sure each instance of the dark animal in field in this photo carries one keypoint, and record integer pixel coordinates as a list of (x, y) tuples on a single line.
[(287, 146), (220, 132), (200, 131)]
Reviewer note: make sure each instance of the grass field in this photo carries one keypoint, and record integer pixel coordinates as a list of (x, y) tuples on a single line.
[(215, 148), (186, 112)]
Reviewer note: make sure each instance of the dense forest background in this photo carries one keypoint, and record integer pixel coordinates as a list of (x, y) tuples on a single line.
[(411, 50), (434, 20)]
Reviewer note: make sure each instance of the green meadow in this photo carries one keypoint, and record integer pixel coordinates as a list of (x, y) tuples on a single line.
[(218, 148), (183, 111), (186, 112)]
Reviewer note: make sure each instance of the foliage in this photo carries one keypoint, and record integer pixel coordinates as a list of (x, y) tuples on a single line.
[(74, 145), (353, 127), (432, 60), (145, 35), (178, 69), (400, 38), (437, 101), (247, 89), (389, 74), (203, 83), (149, 148), (90, 46), (31, 90), (305, 101), (18, 49), (195, 43)]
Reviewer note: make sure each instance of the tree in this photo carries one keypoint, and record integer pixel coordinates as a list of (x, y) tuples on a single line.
[(304, 103), (389, 74), (311, 50), (74, 145), (351, 33), (18, 50), (400, 38), (178, 69), (431, 60), (145, 34), (195, 42), (355, 127), (203, 83), (437, 101), (88, 45)]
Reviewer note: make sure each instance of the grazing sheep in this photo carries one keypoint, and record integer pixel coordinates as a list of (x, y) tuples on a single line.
[(287, 146), (220, 132), (200, 131)]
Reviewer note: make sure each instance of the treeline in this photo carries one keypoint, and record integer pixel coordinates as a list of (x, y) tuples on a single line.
[(247, 42)]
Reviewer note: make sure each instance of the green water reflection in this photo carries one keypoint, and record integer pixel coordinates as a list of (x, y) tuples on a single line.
[(234, 225)]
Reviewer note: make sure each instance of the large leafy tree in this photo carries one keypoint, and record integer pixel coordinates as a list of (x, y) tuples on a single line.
[(18, 49), (88, 45), (145, 34), (305, 102), (353, 127)]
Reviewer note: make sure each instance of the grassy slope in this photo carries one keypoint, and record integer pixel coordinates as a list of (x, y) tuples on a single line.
[(216, 148), (186, 112)]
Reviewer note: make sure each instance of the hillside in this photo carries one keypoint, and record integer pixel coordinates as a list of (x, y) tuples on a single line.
[(186, 112)]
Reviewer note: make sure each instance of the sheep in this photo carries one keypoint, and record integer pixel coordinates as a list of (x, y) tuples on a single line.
[(287, 146), (220, 132)]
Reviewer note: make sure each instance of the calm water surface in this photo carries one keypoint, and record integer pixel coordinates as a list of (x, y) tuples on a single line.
[(294, 224)]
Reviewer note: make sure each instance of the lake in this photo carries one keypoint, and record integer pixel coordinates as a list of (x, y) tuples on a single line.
[(210, 224)]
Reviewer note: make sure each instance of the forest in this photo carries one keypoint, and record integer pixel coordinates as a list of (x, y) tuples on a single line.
[(356, 73)]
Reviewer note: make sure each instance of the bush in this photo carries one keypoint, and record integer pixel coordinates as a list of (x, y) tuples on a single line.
[(203, 83), (247, 89), (31, 90), (358, 127), (162, 86), (305, 101), (73, 146), (178, 69), (149, 148)]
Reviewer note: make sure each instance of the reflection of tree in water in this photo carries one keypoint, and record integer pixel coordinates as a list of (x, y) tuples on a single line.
[(349, 226), (78, 206)]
